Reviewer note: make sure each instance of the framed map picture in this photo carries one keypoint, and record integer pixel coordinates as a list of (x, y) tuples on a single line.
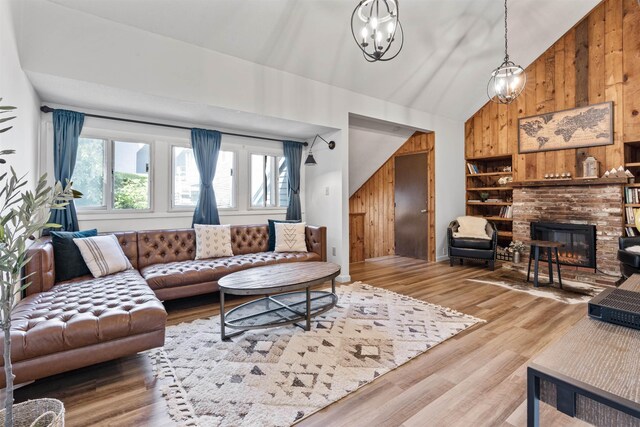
[(579, 127)]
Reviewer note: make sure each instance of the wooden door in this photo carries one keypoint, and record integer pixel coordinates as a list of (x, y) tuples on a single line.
[(410, 193)]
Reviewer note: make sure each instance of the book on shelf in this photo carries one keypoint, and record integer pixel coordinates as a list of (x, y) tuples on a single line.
[(506, 212), (473, 169), (632, 195), (631, 231), (631, 215)]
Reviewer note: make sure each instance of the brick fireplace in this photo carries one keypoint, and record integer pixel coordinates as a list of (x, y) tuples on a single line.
[(597, 205)]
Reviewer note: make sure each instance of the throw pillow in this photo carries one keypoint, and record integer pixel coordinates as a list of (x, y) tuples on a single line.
[(472, 227), (633, 249), (272, 231), (213, 241), (66, 255), (290, 237), (103, 255)]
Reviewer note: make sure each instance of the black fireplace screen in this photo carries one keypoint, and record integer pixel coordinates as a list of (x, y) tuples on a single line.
[(579, 241)]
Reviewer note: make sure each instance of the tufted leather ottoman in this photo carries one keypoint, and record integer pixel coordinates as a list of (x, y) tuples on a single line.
[(79, 323)]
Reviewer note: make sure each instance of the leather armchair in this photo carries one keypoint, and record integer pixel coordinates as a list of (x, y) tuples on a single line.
[(629, 262), (462, 248)]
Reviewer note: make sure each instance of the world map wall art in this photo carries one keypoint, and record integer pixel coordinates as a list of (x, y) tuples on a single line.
[(579, 127)]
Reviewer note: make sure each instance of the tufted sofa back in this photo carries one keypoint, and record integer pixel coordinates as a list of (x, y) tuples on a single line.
[(144, 248)]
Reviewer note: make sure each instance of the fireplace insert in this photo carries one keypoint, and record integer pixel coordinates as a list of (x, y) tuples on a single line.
[(579, 241)]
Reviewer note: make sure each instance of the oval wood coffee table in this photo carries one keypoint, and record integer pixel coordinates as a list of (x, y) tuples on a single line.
[(288, 298)]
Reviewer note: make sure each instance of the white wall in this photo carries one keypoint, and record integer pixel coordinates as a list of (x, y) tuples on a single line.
[(161, 139), (368, 150), (16, 90), (74, 45)]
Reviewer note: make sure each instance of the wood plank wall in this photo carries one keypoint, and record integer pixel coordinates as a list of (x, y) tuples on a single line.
[(596, 61), (375, 199)]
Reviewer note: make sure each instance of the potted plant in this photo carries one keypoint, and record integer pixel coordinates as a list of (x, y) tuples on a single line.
[(484, 196), (516, 248), (23, 215)]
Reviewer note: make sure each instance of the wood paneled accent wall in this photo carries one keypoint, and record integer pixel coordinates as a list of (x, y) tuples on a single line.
[(375, 199), (596, 61)]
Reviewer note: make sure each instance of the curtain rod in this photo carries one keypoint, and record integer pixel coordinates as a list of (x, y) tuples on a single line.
[(47, 109)]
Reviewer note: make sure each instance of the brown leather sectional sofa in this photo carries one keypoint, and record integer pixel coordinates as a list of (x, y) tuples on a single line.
[(62, 326)]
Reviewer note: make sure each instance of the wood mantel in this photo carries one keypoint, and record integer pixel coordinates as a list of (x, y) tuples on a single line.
[(568, 182)]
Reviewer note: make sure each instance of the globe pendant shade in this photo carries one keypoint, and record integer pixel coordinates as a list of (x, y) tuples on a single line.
[(506, 83)]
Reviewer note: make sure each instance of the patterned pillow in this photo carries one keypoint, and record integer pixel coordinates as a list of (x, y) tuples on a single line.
[(290, 237), (213, 241), (103, 255)]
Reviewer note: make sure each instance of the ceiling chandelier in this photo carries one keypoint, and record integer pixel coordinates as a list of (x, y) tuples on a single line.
[(508, 80), (377, 30)]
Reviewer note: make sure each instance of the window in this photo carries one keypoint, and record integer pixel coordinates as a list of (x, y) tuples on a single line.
[(89, 174), (186, 179), (129, 186), (269, 183), (131, 166)]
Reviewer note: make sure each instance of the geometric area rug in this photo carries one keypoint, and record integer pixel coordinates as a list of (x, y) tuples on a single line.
[(278, 376)]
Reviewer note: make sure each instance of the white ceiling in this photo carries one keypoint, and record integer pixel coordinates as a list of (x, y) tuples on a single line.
[(450, 45)]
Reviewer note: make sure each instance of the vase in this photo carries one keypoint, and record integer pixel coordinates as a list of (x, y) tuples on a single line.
[(37, 413), (516, 257)]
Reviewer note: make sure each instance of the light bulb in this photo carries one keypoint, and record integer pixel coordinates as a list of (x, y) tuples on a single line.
[(390, 28), (374, 22), (379, 36), (364, 33)]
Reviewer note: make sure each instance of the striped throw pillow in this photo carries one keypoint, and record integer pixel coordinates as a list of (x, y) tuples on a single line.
[(290, 237), (103, 255)]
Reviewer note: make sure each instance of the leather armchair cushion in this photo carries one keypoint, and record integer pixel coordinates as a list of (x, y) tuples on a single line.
[(629, 258), (471, 253), (192, 272), (471, 243), (83, 313)]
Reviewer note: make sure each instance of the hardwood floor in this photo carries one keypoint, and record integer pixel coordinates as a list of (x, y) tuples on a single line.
[(475, 378)]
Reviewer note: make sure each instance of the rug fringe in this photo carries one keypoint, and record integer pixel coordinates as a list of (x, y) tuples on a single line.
[(178, 405)]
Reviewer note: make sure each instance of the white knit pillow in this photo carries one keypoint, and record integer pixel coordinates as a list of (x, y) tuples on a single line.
[(290, 237), (103, 255), (213, 241)]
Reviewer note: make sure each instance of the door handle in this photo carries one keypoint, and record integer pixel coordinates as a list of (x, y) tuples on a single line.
[(423, 211)]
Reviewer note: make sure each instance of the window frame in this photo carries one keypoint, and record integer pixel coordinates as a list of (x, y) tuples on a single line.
[(182, 208), (109, 182), (277, 207)]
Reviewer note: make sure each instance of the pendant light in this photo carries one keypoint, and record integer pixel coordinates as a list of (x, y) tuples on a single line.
[(376, 28), (508, 80)]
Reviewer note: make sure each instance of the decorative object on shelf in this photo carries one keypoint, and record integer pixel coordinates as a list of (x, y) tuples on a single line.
[(508, 80), (505, 180), (621, 172), (557, 176), (516, 248), (505, 169), (376, 28), (484, 196), (578, 127), (590, 167), (311, 161)]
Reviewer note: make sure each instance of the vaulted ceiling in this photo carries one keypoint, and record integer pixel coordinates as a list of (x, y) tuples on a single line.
[(450, 45)]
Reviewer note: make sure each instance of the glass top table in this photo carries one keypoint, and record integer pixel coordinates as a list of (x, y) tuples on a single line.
[(287, 296)]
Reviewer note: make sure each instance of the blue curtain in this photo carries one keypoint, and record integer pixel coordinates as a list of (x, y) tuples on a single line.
[(66, 130), (293, 159), (206, 147)]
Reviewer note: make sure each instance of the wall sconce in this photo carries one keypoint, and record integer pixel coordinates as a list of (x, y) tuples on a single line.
[(310, 159)]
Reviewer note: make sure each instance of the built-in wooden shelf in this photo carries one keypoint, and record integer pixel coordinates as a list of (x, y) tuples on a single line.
[(490, 203), (632, 165), (505, 234), (630, 225), (569, 182), (494, 157), (498, 218), (489, 174), (489, 188), (633, 205), (632, 185)]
